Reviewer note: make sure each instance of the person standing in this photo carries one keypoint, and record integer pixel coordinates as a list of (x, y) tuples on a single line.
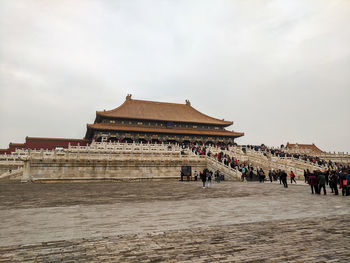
[(326, 175), (195, 175), (258, 172), (270, 175), (243, 173), (262, 173), (210, 175), (284, 179), (182, 176), (321, 183), (305, 176), (348, 183), (312, 182), (204, 177), (292, 177), (280, 175), (333, 182)]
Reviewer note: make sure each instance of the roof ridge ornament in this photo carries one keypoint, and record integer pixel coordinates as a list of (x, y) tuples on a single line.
[(188, 103), (128, 97)]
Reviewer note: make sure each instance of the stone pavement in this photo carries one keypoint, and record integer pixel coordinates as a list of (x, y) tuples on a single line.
[(171, 222)]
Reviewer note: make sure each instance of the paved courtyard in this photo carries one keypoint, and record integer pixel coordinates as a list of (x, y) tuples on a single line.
[(170, 221)]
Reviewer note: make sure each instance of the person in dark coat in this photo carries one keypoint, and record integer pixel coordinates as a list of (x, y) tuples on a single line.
[(326, 175), (312, 182), (204, 177), (280, 176), (321, 183), (348, 183), (284, 179), (333, 182), (316, 173), (182, 176), (270, 175), (342, 180)]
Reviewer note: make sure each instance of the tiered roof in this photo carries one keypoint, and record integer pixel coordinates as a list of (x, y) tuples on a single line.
[(161, 111)]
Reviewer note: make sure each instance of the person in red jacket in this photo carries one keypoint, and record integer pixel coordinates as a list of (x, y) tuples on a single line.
[(292, 177), (313, 183)]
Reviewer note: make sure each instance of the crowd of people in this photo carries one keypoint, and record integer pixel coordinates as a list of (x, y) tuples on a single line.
[(337, 178), (281, 153), (205, 176)]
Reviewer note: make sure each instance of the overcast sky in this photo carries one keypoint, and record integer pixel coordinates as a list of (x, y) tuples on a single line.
[(279, 69)]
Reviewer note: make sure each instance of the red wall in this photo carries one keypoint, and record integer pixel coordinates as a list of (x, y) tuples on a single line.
[(51, 143)]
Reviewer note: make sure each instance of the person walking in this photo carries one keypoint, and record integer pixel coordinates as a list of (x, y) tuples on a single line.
[(292, 177), (284, 179)]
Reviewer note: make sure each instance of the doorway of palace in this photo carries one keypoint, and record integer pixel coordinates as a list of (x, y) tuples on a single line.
[(186, 171)]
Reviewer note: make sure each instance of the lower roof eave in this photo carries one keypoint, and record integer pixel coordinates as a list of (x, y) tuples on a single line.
[(234, 135)]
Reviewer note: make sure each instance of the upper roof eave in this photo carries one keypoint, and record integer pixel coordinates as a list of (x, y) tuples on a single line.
[(152, 110)]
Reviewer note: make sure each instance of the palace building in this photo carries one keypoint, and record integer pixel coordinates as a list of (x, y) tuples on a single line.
[(146, 122), (155, 122)]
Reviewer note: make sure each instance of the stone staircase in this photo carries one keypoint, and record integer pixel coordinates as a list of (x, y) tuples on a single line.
[(267, 161), (13, 175), (214, 165), (229, 173)]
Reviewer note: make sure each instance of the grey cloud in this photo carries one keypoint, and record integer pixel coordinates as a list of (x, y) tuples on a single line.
[(279, 70)]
